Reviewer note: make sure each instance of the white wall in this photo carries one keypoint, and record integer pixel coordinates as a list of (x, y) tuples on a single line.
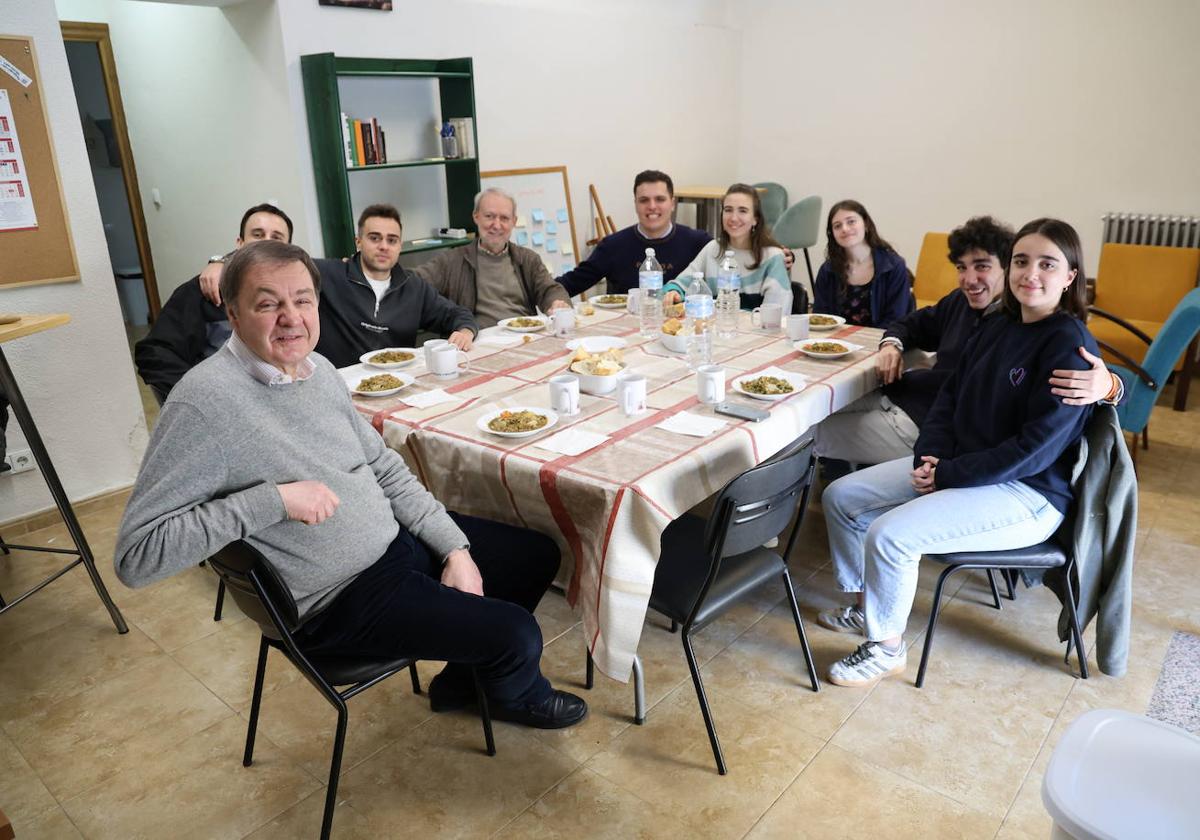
[(607, 89), (77, 379), (207, 107), (932, 113)]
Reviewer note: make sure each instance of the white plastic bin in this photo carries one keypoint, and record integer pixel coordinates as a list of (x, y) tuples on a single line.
[(1117, 775)]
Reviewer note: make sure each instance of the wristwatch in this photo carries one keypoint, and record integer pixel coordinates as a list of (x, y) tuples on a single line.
[(217, 258)]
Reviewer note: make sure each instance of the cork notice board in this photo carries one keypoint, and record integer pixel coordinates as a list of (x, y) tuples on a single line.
[(45, 253)]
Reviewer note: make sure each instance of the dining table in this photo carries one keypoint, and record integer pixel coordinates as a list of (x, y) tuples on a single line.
[(602, 484)]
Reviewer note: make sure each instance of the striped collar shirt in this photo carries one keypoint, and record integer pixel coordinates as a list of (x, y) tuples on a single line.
[(265, 373)]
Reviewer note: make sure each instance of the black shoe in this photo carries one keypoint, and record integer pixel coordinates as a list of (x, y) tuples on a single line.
[(449, 695), (558, 711)]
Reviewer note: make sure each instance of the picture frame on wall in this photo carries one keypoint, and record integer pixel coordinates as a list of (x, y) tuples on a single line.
[(374, 5)]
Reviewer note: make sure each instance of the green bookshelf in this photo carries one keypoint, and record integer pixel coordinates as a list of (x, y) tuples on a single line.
[(455, 82)]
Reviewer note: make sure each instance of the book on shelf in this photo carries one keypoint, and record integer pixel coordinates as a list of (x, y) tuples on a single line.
[(363, 141)]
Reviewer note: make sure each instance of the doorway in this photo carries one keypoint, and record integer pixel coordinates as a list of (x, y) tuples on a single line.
[(98, 95)]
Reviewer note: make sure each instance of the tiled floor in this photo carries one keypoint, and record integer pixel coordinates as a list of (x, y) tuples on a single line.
[(141, 735)]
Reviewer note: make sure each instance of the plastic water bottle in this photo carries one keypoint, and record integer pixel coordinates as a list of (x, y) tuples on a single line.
[(729, 296), (698, 322), (650, 280)]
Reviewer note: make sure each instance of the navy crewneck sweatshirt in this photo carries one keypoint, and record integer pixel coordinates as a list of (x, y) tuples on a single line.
[(618, 256), (995, 419)]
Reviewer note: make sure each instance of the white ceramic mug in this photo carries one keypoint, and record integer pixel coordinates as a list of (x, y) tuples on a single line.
[(768, 314), (429, 346), (631, 394), (796, 326), (564, 394), (710, 384), (564, 322), (445, 362), (633, 300)]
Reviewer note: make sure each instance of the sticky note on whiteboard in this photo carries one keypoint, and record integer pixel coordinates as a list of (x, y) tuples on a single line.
[(565, 249), (562, 214), (522, 238), (520, 221), (538, 239), (551, 244), (537, 215)]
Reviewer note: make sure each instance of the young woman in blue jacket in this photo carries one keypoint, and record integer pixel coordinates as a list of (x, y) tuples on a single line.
[(863, 279), (991, 468)]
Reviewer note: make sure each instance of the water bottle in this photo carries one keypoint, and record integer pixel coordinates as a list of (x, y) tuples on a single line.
[(729, 296), (650, 280), (698, 322)]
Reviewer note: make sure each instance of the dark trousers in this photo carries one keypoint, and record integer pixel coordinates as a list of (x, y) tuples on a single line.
[(398, 607)]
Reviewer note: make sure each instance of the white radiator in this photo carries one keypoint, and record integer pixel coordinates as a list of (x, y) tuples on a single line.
[(1146, 229)]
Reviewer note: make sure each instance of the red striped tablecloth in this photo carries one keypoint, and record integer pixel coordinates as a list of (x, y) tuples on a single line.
[(608, 506)]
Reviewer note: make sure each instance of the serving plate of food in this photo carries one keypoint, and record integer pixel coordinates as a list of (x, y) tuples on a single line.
[(825, 349), (516, 422), (380, 384), (524, 324), (770, 387), (609, 301), (820, 322), (390, 358), (597, 372)]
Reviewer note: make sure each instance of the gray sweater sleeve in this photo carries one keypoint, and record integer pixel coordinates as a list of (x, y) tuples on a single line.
[(414, 506), (177, 515)]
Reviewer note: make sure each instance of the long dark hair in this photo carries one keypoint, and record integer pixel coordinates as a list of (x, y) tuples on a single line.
[(1064, 237), (760, 233), (836, 254)]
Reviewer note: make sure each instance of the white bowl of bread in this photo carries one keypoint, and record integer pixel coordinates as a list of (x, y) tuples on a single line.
[(597, 372)]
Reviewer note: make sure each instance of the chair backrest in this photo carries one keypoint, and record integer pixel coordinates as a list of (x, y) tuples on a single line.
[(936, 276), (240, 566), (1181, 326), (1144, 282), (800, 224), (774, 200), (758, 505)]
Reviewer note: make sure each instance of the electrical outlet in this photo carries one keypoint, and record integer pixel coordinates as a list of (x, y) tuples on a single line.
[(20, 461)]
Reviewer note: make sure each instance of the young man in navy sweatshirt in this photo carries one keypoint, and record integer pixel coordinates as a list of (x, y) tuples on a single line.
[(618, 256), (884, 424)]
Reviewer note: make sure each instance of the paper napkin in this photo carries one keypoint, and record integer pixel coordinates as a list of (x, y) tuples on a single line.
[(686, 423), (572, 441), (425, 399)]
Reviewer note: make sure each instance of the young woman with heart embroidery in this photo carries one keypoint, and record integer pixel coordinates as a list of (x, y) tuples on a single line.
[(992, 466)]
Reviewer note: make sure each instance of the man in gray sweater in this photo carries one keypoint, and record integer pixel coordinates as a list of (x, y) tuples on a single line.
[(260, 442)]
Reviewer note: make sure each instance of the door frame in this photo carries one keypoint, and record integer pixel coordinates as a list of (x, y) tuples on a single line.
[(97, 33)]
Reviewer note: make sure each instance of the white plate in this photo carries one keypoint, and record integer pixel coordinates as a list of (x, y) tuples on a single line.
[(675, 343), (487, 417), (596, 302), (825, 327), (803, 346), (597, 343), (365, 358), (796, 380), (542, 324), (403, 377)]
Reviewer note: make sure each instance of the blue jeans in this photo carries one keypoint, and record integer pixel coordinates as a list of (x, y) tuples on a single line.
[(879, 527)]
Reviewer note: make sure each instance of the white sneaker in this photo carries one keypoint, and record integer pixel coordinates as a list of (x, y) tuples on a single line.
[(844, 620), (870, 663)]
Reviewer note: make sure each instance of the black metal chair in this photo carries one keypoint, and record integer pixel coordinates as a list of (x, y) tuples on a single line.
[(262, 596), (1049, 555), (707, 566)]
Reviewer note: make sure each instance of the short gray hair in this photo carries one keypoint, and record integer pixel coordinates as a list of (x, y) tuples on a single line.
[(495, 191), (269, 252)]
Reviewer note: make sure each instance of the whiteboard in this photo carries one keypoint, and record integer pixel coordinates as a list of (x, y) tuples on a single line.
[(545, 221)]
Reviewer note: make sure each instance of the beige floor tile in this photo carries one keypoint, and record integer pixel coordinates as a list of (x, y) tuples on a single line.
[(179, 610), (555, 616), (304, 820), (840, 795), (50, 825), (438, 782), (225, 663), (23, 796), (143, 710), (586, 805), (50, 666), (669, 763), (199, 788), (302, 723)]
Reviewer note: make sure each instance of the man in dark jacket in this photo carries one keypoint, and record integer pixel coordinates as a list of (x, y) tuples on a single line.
[(493, 277), (883, 425), (190, 328), (369, 301)]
